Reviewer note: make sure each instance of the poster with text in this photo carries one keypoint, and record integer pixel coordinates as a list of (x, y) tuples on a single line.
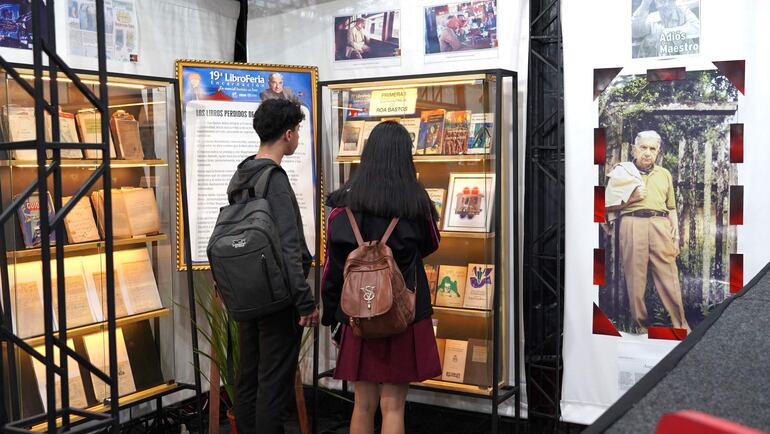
[(218, 102), (16, 24), (665, 28), (462, 26), (367, 36), (121, 29)]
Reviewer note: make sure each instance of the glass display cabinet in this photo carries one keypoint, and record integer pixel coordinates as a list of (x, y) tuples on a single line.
[(142, 131), (463, 129)]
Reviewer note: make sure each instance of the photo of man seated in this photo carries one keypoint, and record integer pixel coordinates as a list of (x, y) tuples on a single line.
[(367, 36)]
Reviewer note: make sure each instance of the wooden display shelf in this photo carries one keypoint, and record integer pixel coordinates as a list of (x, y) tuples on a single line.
[(474, 235), (480, 313), (102, 325), (454, 387), (68, 248), (123, 401), (87, 163), (471, 158)]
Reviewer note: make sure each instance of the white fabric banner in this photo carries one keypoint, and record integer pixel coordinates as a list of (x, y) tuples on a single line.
[(599, 368)]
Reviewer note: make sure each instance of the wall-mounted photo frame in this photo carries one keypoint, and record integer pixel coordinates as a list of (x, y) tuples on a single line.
[(470, 202), (216, 103)]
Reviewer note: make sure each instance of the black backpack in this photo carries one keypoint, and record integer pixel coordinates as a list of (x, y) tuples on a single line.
[(245, 255)]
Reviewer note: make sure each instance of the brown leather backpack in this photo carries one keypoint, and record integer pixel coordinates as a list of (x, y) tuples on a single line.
[(374, 294)]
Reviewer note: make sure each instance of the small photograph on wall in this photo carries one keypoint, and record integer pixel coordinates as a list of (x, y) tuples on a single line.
[(667, 177), (367, 36), (15, 24), (463, 26), (665, 28)]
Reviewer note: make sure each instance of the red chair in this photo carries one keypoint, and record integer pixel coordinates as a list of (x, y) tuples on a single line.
[(689, 421)]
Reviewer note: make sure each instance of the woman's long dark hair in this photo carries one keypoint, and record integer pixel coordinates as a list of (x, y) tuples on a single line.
[(385, 184)]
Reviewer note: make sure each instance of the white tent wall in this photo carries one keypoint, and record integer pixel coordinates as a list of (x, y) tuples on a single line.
[(168, 30), (599, 36), (306, 36)]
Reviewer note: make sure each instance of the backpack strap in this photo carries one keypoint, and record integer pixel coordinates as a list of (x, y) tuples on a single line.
[(257, 190), (389, 231), (354, 226)]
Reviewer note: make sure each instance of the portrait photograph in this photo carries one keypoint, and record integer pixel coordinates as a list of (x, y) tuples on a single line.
[(667, 177), (665, 28), (470, 200), (367, 36), (461, 27)]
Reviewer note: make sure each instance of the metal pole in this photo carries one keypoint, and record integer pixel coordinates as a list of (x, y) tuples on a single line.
[(498, 246), (319, 222)]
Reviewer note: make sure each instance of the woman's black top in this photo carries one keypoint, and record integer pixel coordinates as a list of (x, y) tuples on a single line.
[(411, 241)]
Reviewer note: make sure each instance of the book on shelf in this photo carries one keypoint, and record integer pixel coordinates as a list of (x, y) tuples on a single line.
[(89, 125), (137, 280), (438, 197), (367, 131), (96, 347), (412, 126), (431, 132), (480, 286), (451, 285), (441, 348), (455, 354), (456, 127), (358, 104), (77, 393), (27, 300), (481, 134), (350, 140), (431, 272), (78, 304), (125, 131), (79, 222), (134, 212), (22, 128), (29, 219), (478, 366), (68, 133)]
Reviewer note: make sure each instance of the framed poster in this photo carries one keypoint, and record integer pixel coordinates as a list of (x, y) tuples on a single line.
[(460, 30), (470, 202), (368, 36), (217, 101)]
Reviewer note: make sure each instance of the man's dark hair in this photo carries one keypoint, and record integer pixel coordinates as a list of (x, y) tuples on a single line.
[(274, 117), (385, 183)]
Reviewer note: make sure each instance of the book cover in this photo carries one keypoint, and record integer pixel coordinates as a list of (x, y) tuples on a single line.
[(431, 271), (358, 105), (481, 135), (125, 131), (431, 131), (456, 127), (21, 127), (77, 393), (438, 197), (455, 354), (78, 305), (350, 140), (138, 280), (480, 286), (29, 219), (478, 366), (368, 127), (68, 133), (141, 210), (412, 126), (89, 125), (96, 347), (451, 286), (80, 223), (121, 226), (441, 348)]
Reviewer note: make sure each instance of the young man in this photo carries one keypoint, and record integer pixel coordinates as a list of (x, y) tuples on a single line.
[(269, 346)]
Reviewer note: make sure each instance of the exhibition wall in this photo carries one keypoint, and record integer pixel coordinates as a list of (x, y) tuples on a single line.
[(599, 367), (306, 36)]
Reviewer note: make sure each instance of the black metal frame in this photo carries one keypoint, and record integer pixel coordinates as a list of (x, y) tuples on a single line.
[(544, 213), (89, 421), (497, 398)]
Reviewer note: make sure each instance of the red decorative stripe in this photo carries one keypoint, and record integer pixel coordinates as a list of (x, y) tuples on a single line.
[(736, 204), (666, 74), (600, 146), (602, 325), (735, 71), (736, 272), (603, 78), (599, 276), (736, 143), (599, 211), (667, 333)]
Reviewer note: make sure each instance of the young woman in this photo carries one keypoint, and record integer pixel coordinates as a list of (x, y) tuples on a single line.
[(384, 186)]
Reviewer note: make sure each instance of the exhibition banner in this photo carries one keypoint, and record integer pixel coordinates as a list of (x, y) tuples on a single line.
[(217, 105), (664, 167), (120, 28)]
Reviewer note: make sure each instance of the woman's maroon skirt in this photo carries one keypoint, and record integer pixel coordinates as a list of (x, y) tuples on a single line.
[(408, 357)]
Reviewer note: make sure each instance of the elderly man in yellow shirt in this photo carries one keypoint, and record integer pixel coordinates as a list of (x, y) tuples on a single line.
[(649, 228)]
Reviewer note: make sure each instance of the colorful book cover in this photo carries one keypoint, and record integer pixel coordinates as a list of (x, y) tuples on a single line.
[(481, 134), (451, 286), (350, 140), (480, 286), (431, 132), (29, 218), (358, 105), (431, 272), (456, 125), (438, 197)]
